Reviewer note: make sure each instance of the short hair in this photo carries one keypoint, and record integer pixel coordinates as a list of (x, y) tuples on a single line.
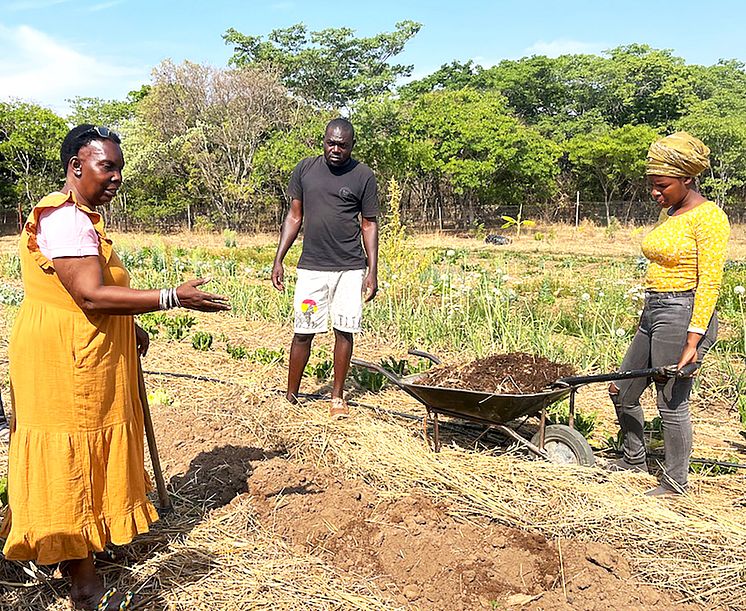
[(80, 136), (341, 123)]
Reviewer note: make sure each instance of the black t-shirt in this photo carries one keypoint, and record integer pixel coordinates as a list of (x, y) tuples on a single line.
[(333, 200)]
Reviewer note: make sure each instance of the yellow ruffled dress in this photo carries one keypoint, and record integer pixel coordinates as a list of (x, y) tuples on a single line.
[(76, 474)]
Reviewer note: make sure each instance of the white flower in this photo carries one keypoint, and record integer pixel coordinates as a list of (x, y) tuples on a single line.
[(585, 297), (450, 252), (495, 290), (601, 293), (639, 312), (739, 290), (620, 332), (505, 278)]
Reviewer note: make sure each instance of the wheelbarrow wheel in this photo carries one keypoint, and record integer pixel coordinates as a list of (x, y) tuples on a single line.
[(565, 446)]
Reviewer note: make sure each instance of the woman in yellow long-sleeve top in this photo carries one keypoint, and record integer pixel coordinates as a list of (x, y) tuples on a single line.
[(686, 250), (76, 477)]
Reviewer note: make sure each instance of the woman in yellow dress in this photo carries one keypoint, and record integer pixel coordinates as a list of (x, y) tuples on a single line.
[(678, 325), (76, 475)]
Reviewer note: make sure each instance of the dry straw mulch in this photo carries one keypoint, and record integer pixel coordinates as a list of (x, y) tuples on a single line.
[(694, 544), (226, 562)]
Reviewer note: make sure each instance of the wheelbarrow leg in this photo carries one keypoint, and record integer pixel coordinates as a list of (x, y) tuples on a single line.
[(571, 414), (542, 427), (425, 422), (436, 432)]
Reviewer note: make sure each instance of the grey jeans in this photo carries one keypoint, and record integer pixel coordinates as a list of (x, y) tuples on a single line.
[(659, 340)]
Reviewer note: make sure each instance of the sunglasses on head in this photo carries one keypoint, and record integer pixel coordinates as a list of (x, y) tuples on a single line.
[(105, 132)]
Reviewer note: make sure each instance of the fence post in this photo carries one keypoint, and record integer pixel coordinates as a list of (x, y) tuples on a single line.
[(577, 209)]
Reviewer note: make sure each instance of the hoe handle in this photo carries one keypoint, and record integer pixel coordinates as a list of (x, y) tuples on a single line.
[(160, 482)]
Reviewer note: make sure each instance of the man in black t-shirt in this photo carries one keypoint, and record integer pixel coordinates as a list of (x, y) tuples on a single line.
[(335, 197)]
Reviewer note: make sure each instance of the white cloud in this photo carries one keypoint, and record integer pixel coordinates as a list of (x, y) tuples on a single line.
[(36, 67), (563, 46)]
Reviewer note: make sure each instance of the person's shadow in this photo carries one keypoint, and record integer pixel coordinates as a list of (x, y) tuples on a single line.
[(213, 480)]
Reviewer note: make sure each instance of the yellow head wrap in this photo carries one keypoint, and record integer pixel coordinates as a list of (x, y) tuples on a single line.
[(679, 155)]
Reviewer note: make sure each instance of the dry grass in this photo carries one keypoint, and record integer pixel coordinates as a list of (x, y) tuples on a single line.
[(588, 239), (695, 544), (224, 560)]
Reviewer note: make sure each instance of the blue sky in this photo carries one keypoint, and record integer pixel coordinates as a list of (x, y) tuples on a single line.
[(51, 50)]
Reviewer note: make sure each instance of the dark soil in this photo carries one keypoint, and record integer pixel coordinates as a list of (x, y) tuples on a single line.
[(513, 373)]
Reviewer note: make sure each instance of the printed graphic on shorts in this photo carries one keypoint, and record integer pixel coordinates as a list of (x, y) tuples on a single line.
[(308, 308), (348, 323)]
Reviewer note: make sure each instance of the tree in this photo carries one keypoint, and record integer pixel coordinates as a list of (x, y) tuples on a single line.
[(612, 161), (331, 68), (30, 139), (457, 152), (450, 77), (207, 127), (111, 113), (721, 123)]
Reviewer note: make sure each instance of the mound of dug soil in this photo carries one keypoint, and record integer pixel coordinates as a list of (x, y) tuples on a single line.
[(513, 373), (424, 558)]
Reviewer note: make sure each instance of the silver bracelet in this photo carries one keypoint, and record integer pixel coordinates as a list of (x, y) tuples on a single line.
[(168, 299), (163, 299)]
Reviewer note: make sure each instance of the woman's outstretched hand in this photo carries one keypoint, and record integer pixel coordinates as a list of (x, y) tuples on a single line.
[(192, 297)]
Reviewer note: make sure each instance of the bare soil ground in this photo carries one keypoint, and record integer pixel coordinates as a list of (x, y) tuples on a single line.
[(410, 547)]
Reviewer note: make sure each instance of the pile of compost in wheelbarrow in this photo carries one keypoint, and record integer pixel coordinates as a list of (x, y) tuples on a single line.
[(509, 374)]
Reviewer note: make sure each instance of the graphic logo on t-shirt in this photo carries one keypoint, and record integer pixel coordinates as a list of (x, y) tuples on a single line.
[(309, 308), (346, 194)]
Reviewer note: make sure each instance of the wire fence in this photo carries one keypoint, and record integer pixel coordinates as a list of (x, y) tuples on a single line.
[(598, 213)]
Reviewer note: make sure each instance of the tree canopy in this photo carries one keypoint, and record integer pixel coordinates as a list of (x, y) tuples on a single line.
[(465, 143), (332, 67)]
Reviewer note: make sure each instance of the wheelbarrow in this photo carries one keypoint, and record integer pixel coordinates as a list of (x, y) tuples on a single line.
[(557, 443)]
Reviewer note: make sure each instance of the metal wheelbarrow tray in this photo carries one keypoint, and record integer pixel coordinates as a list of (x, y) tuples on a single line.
[(558, 443)]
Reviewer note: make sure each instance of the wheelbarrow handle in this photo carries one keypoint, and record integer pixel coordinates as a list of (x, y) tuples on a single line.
[(424, 355), (669, 371), (375, 367)]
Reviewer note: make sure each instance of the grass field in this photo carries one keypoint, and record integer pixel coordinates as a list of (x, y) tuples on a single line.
[(572, 295)]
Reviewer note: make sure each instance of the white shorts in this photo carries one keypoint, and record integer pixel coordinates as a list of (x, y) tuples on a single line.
[(320, 294)]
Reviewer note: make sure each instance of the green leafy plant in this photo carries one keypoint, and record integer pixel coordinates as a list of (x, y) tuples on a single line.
[(584, 423), (236, 352), (151, 322), (160, 397), (177, 327), (266, 356), (321, 370), (516, 222), (712, 470), (230, 238), (202, 340), (3, 491), (369, 380)]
